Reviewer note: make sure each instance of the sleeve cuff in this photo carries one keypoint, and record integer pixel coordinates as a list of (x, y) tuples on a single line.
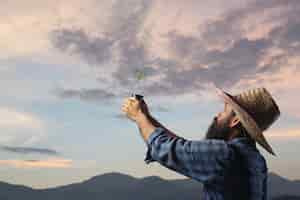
[(149, 141)]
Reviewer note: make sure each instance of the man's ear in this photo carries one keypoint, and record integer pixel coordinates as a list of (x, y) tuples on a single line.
[(234, 121)]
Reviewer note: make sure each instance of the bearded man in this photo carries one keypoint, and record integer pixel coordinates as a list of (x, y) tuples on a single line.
[(227, 161)]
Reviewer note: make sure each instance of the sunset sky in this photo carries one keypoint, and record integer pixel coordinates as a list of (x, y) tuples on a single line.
[(66, 67)]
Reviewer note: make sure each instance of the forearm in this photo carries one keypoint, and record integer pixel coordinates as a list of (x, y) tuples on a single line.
[(145, 126), (157, 124)]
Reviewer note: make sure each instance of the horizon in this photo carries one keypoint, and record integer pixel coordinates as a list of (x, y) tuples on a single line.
[(127, 175)]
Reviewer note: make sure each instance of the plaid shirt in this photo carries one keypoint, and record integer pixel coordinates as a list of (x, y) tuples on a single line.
[(228, 170)]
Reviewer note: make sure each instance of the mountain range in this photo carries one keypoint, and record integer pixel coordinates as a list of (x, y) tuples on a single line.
[(113, 186)]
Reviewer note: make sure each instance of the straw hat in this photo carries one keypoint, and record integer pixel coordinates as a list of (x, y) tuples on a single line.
[(256, 109)]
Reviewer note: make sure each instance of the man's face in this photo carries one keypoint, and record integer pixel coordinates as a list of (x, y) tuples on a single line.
[(219, 128)]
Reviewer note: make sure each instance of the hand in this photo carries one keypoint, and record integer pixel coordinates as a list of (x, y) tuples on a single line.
[(134, 109)]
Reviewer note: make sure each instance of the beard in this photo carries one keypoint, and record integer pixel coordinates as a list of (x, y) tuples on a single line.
[(217, 131)]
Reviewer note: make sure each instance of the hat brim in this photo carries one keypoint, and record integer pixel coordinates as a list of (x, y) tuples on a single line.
[(247, 121)]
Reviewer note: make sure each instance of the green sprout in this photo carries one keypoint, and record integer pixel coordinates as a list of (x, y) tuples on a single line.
[(140, 75)]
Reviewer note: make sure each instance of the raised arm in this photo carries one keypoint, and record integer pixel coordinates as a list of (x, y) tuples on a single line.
[(138, 112), (202, 160), (157, 124), (147, 125)]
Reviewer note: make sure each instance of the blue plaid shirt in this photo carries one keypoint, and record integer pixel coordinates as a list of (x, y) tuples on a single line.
[(232, 169)]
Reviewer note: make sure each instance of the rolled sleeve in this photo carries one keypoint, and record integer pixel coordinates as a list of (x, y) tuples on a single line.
[(202, 160), (153, 135)]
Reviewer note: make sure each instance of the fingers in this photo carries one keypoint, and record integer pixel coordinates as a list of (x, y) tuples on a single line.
[(127, 103), (129, 100), (125, 107)]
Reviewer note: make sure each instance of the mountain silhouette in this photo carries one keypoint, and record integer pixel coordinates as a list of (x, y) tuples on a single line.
[(113, 186), (286, 197)]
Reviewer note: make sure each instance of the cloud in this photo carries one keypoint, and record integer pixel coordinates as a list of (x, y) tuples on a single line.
[(14, 118), (122, 31), (49, 163), (282, 84), (121, 45), (85, 94), (20, 128), (225, 54), (232, 48), (25, 25), (223, 68), (284, 134), (94, 50), (28, 150), (243, 47)]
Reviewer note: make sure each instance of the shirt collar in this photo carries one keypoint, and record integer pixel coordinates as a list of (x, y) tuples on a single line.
[(242, 141)]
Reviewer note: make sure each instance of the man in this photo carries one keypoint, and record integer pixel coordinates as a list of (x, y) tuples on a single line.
[(227, 161)]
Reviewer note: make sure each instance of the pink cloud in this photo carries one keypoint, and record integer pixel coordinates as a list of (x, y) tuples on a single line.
[(282, 84), (259, 24), (49, 163), (284, 134)]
